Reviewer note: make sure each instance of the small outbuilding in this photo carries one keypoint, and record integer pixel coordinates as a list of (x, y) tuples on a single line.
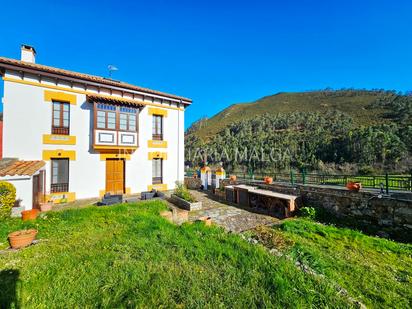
[(28, 177)]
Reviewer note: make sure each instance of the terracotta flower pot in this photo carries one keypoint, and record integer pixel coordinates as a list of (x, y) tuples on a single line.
[(206, 220), (268, 180), (21, 239), (233, 177), (29, 214), (45, 207), (354, 186)]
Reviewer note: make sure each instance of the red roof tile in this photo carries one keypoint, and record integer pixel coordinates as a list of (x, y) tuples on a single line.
[(20, 168)]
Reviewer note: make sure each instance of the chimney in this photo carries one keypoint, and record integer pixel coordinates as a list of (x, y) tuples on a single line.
[(28, 54)]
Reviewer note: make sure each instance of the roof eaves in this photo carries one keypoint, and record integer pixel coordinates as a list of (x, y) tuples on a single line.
[(87, 77)]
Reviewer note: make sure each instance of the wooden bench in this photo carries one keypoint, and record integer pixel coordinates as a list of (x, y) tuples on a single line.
[(277, 204), (242, 194)]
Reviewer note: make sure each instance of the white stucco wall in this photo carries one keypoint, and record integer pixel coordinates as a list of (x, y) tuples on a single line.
[(27, 116), (24, 189)]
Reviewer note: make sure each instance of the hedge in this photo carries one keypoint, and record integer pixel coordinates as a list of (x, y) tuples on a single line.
[(7, 198)]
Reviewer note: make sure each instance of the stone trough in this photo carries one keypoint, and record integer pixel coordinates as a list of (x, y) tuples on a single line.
[(185, 204)]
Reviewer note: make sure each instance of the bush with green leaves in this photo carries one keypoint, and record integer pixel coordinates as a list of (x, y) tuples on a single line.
[(7, 198), (367, 170), (182, 192), (308, 212)]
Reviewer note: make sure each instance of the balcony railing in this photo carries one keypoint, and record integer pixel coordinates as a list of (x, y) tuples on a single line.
[(157, 180), (60, 130), (59, 187), (157, 137)]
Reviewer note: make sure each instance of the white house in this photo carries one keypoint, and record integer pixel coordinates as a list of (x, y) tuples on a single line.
[(28, 179), (96, 135)]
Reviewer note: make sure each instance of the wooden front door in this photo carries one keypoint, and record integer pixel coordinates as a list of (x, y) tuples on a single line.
[(38, 189), (115, 176)]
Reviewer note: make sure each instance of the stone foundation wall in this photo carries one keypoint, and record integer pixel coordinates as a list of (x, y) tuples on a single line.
[(391, 214)]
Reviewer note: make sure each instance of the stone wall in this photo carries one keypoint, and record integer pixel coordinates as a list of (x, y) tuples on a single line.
[(390, 214)]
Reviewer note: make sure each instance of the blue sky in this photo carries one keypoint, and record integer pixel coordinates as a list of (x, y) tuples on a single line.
[(220, 52)]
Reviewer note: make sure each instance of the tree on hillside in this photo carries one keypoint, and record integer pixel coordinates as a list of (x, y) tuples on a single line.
[(308, 139)]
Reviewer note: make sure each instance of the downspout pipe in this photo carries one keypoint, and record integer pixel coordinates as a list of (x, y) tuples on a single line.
[(178, 141)]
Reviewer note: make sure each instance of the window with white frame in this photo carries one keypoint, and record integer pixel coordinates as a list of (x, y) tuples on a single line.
[(112, 117), (59, 175), (157, 171)]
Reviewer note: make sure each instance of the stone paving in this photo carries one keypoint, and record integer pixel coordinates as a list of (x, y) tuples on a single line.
[(229, 217)]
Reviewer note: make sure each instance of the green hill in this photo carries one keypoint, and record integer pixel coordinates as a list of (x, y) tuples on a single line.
[(365, 107), (341, 130)]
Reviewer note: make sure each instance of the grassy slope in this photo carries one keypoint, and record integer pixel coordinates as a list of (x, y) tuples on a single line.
[(128, 255), (376, 271), (356, 106)]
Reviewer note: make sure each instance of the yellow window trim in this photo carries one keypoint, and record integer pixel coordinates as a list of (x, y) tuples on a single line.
[(157, 144), (104, 156), (157, 155), (157, 111), (61, 197), (56, 139), (59, 153), (159, 187), (37, 84), (50, 96)]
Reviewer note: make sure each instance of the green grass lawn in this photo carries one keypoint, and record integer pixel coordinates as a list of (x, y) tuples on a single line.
[(376, 271), (129, 256)]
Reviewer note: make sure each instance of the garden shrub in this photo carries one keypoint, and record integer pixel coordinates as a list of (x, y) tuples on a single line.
[(182, 192), (7, 198), (366, 170), (308, 212)]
